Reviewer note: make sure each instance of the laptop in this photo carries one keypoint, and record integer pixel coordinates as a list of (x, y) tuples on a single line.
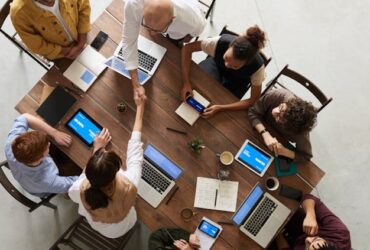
[(260, 216), (158, 176), (254, 158), (150, 55)]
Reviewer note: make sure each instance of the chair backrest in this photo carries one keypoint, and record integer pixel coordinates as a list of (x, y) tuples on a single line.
[(225, 30), (4, 12), (303, 81), (209, 6)]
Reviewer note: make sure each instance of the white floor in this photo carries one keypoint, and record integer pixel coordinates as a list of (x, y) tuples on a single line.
[(327, 41)]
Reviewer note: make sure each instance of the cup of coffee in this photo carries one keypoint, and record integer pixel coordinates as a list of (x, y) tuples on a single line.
[(272, 183), (226, 158), (186, 214)]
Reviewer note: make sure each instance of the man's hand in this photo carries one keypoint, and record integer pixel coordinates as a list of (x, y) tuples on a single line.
[(139, 98), (140, 89), (186, 91), (102, 139), (62, 139), (310, 226), (182, 245), (271, 142), (74, 51), (208, 112), (194, 241)]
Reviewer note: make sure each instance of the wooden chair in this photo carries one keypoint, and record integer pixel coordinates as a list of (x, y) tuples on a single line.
[(209, 8), (19, 196), (4, 13), (80, 235), (303, 81)]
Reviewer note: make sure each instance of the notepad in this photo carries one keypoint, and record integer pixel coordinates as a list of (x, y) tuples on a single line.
[(216, 194), (187, 112), (86, 68)]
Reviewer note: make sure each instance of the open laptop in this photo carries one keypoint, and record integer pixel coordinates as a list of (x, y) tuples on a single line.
[(260, 216), (150, 55), (158, 176)]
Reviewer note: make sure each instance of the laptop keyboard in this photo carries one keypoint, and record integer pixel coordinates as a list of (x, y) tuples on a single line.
[(261, 215), (154, 179), (146, 61)]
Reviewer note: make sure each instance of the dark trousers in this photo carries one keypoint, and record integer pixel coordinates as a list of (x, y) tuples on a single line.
[(237, 88)]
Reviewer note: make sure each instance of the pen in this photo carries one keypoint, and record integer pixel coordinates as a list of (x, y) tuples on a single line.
[(216, 197), (177, 131), (225, 222), (172, 194), (165, 229)]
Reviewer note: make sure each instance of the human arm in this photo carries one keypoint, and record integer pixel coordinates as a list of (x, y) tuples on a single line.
[(61, 184), (101, 140), (186, 53), (77, 48), (310, 226)]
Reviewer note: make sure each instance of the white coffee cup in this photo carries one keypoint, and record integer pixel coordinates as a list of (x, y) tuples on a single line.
[(272, 183), (226, 158)]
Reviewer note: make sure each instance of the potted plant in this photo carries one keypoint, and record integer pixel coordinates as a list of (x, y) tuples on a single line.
[(196, 145)]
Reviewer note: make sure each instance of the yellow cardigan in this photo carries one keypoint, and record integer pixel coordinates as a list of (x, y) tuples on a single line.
[(41, 31)]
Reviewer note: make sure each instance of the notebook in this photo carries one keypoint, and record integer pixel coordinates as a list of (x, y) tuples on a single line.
[(86, 68), (187, 112), (216, 194), (56, 106)]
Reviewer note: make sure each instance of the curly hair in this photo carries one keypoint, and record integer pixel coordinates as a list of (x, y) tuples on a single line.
[(327, 246), (299, 116)]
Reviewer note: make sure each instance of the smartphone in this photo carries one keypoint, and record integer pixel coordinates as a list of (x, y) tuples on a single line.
[(284, 164), (208, 229), (195, 104), (99, 40), (290, 192)]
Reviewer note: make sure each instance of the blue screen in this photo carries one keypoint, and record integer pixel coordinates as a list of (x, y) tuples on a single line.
[(87, 77), (209, 229), (254, 157), (84, 127), (248, 204), (162, 162)]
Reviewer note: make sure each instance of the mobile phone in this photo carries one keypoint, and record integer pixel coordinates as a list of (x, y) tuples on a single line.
[(195, 104), (284, 164), (208, 229), (290, 192), (99, 40)]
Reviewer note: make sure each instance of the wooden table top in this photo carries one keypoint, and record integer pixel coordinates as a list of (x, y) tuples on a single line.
[(224, 131)]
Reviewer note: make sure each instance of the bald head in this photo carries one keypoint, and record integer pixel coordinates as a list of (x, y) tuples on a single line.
[(158, 14)]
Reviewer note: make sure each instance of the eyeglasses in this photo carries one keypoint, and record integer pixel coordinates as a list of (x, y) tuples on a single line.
[(155, 30)]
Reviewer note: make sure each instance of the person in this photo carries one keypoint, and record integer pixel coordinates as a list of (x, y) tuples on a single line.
[(179, 19), (234, 61), (52, 28), (314, 227), (168, 238), (291, 117), (28, 156), (105, 192)]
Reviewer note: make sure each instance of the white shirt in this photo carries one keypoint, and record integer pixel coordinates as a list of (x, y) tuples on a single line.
[(133, 173), (56, 12), (189, 20)]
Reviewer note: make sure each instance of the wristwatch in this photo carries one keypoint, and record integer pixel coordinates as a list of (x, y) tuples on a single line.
[(263, 131)]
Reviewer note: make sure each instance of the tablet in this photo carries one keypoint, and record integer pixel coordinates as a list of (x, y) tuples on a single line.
[(84, 127), (254, 158), (208, 232)]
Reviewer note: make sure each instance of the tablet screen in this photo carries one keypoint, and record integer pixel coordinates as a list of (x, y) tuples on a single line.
[(84, 127), (254, 157)]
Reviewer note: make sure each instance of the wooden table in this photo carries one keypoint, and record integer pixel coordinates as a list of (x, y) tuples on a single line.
[(225, 131)]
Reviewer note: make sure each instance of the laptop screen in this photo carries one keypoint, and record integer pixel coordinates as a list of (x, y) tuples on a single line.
[(254, 157), (162, 162), (247, 205)]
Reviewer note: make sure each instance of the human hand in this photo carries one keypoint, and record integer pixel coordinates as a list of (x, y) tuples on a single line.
[(62, 139), (186, 91), (194, 241), (74, 51), (210, 111), (271, 142), (102, 139), (182, 245), (139, 98), (310, 226)]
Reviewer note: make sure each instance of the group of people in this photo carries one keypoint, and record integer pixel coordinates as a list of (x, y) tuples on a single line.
[(104, 191)]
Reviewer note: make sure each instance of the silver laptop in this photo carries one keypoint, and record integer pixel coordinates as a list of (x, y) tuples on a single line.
[(150, 55), (260, 216), (158, 176)]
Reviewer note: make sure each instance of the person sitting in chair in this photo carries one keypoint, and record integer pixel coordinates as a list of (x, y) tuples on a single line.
[(290, 116), (52, 28), (234, 61), (28, 157), (105, 192), (173, 238)]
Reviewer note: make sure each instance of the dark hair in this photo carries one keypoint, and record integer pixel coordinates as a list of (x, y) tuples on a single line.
[(299, 116), (30, 147), (246, 47), (327, 246), (101, 170)]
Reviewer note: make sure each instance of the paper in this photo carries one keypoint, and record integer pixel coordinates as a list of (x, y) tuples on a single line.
[(86, 68), (187, 112), (215, 194)]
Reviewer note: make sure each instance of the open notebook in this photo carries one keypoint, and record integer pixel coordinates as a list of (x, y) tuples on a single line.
[(86, 68), (187, 112)]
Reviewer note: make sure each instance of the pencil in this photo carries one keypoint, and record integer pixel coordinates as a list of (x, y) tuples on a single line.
[(172, 194), (216, 197), (177, 131)]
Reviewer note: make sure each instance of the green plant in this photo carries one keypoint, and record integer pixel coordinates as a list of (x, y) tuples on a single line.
[(196, 145)]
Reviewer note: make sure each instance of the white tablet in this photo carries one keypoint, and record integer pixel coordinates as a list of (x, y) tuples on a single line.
[(254, 158), (208, 232)]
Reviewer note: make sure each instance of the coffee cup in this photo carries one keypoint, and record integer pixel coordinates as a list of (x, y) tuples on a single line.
[(272, 183), (226, 158), (186, 214)]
